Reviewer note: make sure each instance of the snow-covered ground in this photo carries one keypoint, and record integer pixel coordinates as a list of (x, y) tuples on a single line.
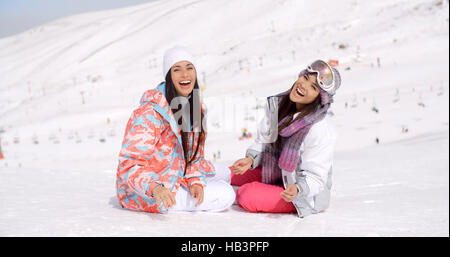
[(397, 189), (69, 86)]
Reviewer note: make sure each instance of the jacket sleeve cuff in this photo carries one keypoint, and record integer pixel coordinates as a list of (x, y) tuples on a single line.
[(255, 156), (195, 181), (303, 189)]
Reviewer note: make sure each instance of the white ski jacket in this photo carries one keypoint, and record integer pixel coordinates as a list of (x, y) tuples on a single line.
[(313, 175)]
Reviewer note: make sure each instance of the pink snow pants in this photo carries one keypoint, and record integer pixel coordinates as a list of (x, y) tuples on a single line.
[(255, 196)]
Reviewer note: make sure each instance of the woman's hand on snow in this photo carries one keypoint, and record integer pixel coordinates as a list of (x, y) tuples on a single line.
[(241, 166), (163, 194), (290, 193), (197, 192)]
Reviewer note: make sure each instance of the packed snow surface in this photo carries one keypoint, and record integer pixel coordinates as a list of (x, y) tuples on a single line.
[(69, 86)]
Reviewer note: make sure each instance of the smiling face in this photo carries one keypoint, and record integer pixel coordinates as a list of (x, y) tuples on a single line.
[(183, 77), (304, 91)]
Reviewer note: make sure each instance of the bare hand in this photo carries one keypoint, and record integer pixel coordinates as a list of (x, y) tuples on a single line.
[(163, 194), (241, 166), (290, 193), (197, 192)]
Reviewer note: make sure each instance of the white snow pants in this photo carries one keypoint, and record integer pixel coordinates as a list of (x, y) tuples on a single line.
[(218, 194)]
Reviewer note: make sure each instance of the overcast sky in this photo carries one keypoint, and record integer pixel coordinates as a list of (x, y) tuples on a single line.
[(19, 15)]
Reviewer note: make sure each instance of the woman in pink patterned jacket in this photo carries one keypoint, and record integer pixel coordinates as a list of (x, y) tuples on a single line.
[(161, 163)]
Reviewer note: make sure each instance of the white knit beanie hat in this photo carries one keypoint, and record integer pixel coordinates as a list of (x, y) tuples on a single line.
[(174, 55)]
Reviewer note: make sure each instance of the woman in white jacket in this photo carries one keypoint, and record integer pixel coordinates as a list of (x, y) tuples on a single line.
[(289, 167)]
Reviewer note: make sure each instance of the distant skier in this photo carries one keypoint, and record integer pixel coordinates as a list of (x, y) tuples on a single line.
[(405, 129), (288, 168), (245, 134), (377, 140)]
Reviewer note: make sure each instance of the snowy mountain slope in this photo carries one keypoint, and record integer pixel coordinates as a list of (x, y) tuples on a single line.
[(69, 86), (116, 48)]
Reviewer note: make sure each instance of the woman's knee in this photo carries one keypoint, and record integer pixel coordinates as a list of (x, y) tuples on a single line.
[(260, 197), (250, 196), (229, 196), (219, 195)]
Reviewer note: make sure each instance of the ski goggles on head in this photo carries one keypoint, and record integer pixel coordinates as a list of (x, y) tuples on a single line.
[(325, 75)]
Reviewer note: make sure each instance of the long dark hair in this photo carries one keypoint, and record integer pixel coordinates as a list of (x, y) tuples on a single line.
[(170, 94), (288, 108)]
